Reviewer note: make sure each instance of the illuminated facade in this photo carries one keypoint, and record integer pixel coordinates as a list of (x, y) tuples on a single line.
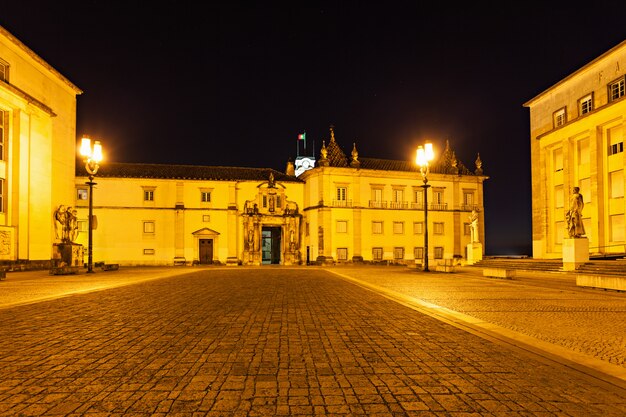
[(37, 150), (338, 211), (577, 140), (334, 209)]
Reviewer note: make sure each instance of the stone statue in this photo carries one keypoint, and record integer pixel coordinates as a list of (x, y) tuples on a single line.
[(66, 224), (574, 216), (60, 220), (72, 224), (473, 218)]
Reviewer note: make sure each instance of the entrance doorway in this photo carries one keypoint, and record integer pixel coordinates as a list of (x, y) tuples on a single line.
[(205, 251), (270, 245)]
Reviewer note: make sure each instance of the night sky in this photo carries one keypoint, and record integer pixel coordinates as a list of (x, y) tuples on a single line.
[(229, 83)]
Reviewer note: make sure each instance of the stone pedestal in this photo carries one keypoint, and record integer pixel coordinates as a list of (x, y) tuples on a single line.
[(575, 252), (68, 254), (474, 253)]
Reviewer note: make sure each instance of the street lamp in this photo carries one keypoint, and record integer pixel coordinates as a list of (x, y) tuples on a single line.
[(92, 157), (425, 154)]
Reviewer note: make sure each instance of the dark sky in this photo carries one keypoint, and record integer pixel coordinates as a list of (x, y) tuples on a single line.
[(233, 83)]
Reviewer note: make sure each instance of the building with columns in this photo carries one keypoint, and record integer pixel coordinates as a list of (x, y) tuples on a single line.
[(37, 151), (577, 140)]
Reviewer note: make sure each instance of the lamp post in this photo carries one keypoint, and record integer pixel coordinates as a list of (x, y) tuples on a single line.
[(425, 154), (92, 157)]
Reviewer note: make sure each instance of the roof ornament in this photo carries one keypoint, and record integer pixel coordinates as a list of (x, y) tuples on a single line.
[(332, 133), (479, 165), (324, 155), (271, 184), (355, 163)]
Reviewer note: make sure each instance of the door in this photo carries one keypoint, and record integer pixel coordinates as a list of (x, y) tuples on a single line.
[(205, 251), (270, 245)]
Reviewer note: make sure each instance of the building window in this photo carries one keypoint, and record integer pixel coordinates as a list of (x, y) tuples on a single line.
[(616, 148), (468, 199), (616, 184), (148, 251), (398, 253), (418, 252), (278, 200), (148, 227), (206, 218), (418, 196), (557, 159), (377, 194), (585, 189), (559, 117), (438, 252), (398, 228), (558, 196), (341, 193), (2, 191), (377, 254), (205, 196), (264, 201), (342, 226), (616, 89), (83, 225), (397, 199), (617, 227), (377, 228), (342, 254), (466, 229), (437, 195), (82, 194), (148, 195), (418, 228), (438, 228), (4, 71), (583, 151), (306, 228), (585, 104), (4, 131)]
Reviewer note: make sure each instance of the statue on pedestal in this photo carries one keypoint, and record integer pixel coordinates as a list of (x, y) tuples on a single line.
[(574, 216)]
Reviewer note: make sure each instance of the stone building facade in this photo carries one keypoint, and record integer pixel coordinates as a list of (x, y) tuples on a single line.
[(341, 210), (37, 151), (577, 140)]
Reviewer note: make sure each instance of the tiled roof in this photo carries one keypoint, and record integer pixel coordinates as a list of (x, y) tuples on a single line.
[(189, 172), (409, 166)]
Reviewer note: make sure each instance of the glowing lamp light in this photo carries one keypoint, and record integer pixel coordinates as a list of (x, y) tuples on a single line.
[(93, 156), (425, 154), (97, 152)]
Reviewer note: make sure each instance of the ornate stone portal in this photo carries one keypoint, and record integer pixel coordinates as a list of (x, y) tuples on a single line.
[(271, 225)]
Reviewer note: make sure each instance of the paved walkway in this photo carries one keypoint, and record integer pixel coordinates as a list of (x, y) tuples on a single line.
[(290, 341)]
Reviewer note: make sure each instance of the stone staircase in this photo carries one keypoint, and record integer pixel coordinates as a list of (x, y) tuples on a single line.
[(593, 267), (605, 267), (521, 264)]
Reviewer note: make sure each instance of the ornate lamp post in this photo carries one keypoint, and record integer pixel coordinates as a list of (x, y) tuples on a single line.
[(425, 154), (92, 157)]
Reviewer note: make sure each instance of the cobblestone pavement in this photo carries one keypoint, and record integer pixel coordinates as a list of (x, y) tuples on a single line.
[(546, 307), (270, 342)]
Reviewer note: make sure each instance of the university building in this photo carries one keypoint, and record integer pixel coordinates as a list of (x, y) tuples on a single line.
[(341, 207), (339, 210), (577, 140)]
